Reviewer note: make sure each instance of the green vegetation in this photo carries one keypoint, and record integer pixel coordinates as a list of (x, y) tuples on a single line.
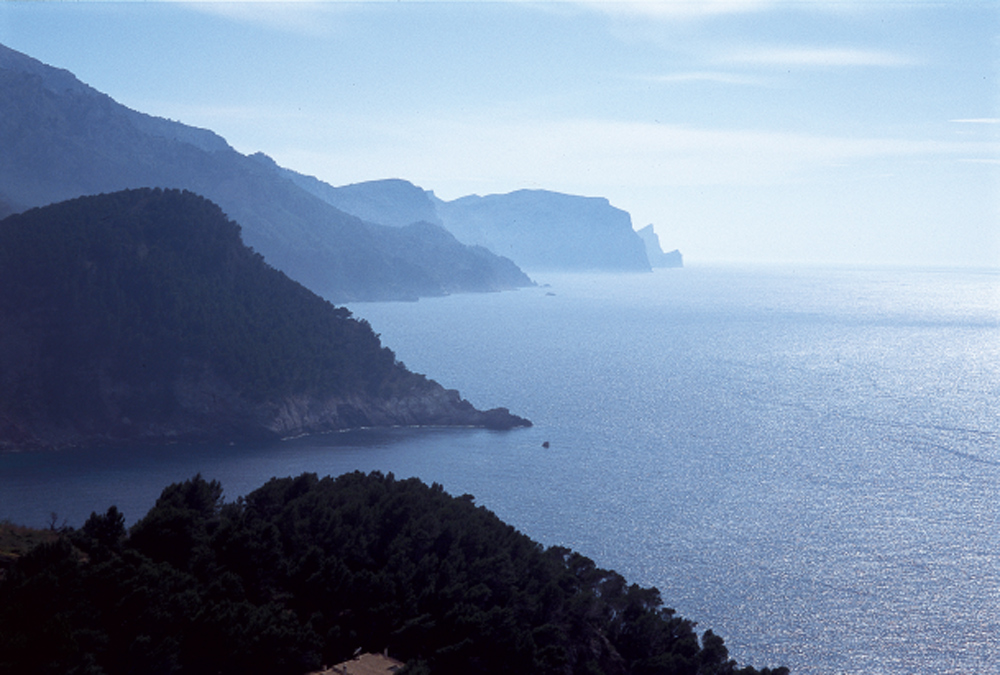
[(140, 316), (16, 540), (303, 571), (117, 277)]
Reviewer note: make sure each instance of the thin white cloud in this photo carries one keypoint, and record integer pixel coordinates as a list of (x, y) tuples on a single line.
[(979, 120), (221, 116), (815, 57), (298, 17), (678, 9), (461, 156), (718, 77), (693, 10)]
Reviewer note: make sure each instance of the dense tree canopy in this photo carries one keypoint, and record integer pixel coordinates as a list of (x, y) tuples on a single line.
[(115, 278), (141, 316), (304, 570)]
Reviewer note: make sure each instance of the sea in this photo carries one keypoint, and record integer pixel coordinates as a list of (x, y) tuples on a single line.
[(804, 460)]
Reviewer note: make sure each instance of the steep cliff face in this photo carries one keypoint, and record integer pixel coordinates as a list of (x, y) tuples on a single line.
[(140, 316), (542, 230), (657, 258)]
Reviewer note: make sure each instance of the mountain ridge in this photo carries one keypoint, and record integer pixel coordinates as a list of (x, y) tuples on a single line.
[(543, 235), (60, 139), (141, 317)]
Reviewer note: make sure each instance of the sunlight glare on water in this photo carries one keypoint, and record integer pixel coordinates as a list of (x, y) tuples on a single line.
[(804, 461)]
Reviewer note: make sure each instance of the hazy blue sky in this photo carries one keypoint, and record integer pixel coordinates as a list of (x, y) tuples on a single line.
[(748, 131)]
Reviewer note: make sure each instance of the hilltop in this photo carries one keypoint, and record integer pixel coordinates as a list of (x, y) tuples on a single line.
[(305, 571), (140, 316)]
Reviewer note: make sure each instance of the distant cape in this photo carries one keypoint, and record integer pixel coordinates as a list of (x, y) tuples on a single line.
[(543, 230), (657, 258), (375, 240), (537, 229)]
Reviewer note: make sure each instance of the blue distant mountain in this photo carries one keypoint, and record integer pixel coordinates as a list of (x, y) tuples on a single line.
[(542, 230), (60, 139), (375, 240), (393, 201), (537, 229), (656, 255)]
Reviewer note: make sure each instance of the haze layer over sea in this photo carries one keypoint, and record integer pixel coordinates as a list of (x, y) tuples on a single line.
[(805, 461)]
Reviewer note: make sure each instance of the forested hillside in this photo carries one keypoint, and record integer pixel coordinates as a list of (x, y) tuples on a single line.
[(304, 571), (140, 315)]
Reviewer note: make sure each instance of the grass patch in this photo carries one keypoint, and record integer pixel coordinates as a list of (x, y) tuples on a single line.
[(16, 540)]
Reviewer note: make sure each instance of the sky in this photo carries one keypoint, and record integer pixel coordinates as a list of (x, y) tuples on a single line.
[(861, 132)]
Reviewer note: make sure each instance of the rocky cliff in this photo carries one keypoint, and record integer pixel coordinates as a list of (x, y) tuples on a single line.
[(432, 405), (657, 258), (542, 230)]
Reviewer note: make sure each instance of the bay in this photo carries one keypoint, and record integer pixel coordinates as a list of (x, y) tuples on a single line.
[(803, 460)]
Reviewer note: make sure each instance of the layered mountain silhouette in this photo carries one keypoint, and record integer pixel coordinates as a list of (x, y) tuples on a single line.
[(392, 201), (60, 138), (375, 240), (140, 316), (537, 229)]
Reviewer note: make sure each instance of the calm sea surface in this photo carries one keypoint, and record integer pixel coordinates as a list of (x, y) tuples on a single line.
[(806, 461)]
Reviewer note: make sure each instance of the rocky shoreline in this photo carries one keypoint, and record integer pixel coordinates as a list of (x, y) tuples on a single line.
[(423, 403), (437, 406), (224, 417)]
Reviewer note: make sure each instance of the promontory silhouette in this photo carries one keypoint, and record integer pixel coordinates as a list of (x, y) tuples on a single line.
[(140, 316)]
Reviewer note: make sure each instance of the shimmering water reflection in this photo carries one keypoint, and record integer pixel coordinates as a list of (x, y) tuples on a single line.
[(805, 461)]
